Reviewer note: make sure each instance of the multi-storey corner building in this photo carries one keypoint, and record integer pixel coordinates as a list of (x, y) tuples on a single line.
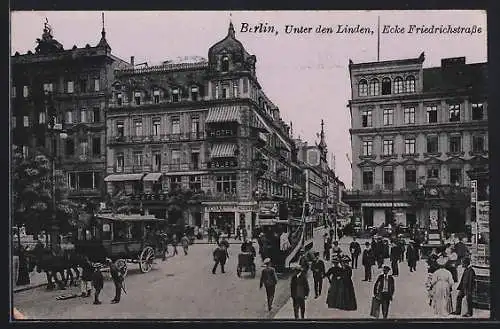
[(70, 89), (205, 125), (415, 133)]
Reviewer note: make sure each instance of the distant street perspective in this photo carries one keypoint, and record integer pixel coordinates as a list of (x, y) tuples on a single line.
[(148, 185)]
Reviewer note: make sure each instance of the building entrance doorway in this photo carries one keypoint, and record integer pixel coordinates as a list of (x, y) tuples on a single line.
[(367, 217)]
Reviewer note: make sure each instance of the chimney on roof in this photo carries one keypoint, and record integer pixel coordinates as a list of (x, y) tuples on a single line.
[(132, 60), (452, 62)]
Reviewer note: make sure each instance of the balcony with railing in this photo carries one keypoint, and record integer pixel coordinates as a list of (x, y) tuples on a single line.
[(131, 139)]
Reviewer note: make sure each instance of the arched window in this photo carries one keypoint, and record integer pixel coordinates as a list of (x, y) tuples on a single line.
[(363, 88), (398, 85), (225, 64), (386, 86), (374, 87), (410, 84)]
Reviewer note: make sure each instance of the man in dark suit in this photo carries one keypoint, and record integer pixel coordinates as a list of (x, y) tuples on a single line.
[(466, 287), (368, 260), (412, 256), (384, 290), (355, 250), (395, 257), (318, 270), (268, 279), (299, 288), (220, 257)]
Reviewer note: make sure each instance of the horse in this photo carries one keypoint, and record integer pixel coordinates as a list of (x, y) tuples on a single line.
[(44, 260)]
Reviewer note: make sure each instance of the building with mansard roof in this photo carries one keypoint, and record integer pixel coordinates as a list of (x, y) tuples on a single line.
[(206, 126), (415, 133), (69, 88)]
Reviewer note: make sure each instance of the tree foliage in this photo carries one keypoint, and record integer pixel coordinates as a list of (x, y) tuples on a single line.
[(32, 193), (179, 202)]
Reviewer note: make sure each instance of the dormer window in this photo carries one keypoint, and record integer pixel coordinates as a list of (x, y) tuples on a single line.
[(194, 93), (156, 96), (225, 64), (137, 98), (119, 99), (175, 95)]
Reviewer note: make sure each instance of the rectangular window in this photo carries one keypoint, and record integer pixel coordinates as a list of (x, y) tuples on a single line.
[(86, 180), (83, 85), (137, 98), (367, 180), (195, 159), (410, 146), (120, 161), (69, 116), (120, 129), (455, 176), (367, 148), (477, 111), (194, 93), (13, 92), (388, 147), (26, 91), (156, 126), (175, 182), (388, 179), (26, 121), (156, 96), (409, 115), (245, 85), (388, 116), (96, 114), (195, 125), (96, 146), (410, 178), (455, 144), (176, 156), (477, 143), (366, 118), (14, 122), (119, 99), (226, 184), (217, 91), (236, 89), (26, 151), (454, 113), (70, 147), (431, 114), (225, 93), (432, 144), (138, 128), (83, 115), (72, 180), (176, 126), (48, 87), (175, 95), (71, 87), (84, 147), (157, 161), (433, 173), (97, 85), (137, 159), (41, 118), (195, 183)]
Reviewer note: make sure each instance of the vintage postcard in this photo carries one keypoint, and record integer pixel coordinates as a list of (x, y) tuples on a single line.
[(254, 165)]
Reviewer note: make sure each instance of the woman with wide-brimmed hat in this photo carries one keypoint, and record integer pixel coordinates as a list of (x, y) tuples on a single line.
[(441, 286), (335, 276)]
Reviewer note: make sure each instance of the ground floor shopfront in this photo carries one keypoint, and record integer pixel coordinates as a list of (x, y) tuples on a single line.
[(230, 215)]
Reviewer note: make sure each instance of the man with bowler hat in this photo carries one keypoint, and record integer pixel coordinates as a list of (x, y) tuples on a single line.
[(318, 270)]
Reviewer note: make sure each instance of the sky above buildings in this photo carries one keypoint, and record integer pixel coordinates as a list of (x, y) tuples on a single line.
[(305, 74)]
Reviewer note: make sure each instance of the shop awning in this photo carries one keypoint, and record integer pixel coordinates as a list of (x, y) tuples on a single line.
[(224, 114), (385, 204), (123, 177), (223, 151), (152, 177)]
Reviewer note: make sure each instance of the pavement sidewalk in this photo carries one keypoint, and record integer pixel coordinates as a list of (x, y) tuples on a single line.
[(36, 280)]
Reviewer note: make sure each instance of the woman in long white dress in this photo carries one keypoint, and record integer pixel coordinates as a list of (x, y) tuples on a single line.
[(442, 283)]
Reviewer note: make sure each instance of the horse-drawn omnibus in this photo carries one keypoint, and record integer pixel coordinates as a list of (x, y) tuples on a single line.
[(122, 238)]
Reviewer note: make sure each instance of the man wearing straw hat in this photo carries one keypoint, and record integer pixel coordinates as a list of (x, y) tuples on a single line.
[(269, 279)]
